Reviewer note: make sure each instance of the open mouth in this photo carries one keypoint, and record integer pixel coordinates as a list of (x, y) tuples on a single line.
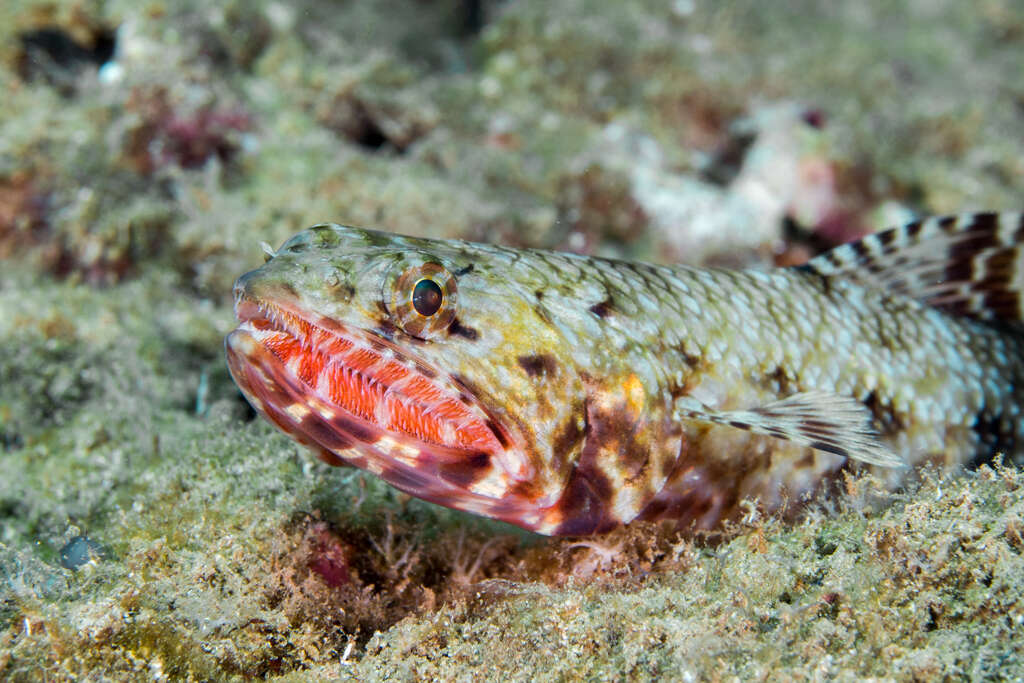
[(362, 385)]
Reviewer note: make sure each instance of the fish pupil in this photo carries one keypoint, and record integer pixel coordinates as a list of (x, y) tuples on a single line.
[(427, 297)]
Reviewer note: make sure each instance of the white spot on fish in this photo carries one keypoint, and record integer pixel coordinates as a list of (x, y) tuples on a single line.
[(298, 411), (494, 485)]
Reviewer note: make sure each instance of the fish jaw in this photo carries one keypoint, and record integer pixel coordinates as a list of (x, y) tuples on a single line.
[(357, 399)]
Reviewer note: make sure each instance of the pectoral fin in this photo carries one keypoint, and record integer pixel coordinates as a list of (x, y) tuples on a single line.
[(824, 421)]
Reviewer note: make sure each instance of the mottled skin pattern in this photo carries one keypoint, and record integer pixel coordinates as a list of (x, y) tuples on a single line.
[(572, 369)]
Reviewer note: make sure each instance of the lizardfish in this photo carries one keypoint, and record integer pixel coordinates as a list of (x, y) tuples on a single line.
[(569, 394)]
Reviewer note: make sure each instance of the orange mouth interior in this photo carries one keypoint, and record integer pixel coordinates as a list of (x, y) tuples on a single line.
[(368, 378)]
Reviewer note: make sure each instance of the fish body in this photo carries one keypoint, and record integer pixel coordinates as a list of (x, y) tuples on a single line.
[(569, 394)]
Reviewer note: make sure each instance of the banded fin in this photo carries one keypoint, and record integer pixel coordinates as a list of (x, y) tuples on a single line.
[(824, 421), (970, 265)]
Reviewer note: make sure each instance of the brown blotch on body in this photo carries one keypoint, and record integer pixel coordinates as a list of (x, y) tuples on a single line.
[(539, 365), (458, 329), (569, 436), (586, 504), (692, 361), (603, 309), (629, 433), (778, 380)]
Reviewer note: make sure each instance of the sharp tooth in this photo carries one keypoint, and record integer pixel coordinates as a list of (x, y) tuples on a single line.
[(382, 413), (449, 433), (323, 383)]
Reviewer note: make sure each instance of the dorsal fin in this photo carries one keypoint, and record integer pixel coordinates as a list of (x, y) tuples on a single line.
[(970, 265)]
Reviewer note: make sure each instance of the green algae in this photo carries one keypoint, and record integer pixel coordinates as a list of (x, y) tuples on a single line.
[(912, 593), (129, 205)]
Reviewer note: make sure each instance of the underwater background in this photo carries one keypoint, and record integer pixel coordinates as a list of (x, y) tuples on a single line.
[(151, 527)]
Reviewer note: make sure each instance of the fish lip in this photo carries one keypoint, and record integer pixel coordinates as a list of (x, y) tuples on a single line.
[(262, 375), (282, 315)]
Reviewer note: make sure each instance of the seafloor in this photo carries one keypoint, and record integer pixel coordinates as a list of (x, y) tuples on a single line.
[(151, 528)]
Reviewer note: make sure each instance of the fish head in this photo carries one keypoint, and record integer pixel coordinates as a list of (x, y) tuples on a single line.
[(427, 363)]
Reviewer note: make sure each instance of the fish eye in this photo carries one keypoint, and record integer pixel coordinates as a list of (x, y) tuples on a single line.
[(420, 296), (427, 297)]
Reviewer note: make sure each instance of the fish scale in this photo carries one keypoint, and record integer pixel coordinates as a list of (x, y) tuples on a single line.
[(582, 393)]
